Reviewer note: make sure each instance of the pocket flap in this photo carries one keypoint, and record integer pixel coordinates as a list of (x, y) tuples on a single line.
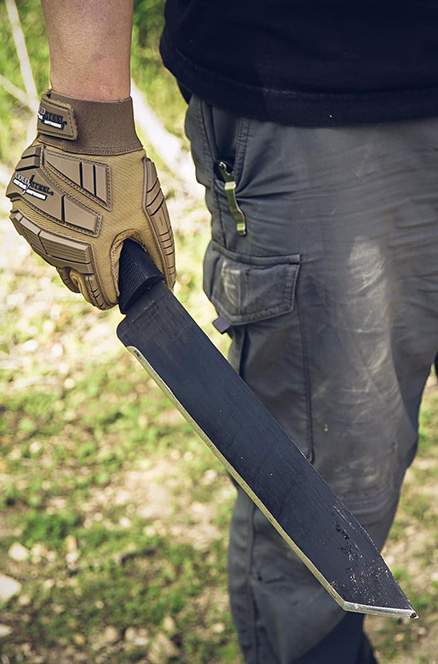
[(246, 288)]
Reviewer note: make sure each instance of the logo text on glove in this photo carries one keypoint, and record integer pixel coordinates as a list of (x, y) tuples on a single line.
[(31, 187), (52, 119)]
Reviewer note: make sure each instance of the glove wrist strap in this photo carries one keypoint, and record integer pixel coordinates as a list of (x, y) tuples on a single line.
[(87, 127)]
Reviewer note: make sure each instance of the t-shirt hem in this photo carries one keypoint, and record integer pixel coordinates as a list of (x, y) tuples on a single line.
[(292, 107)]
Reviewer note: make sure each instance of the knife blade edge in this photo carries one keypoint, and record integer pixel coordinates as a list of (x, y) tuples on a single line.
[(345, 605)]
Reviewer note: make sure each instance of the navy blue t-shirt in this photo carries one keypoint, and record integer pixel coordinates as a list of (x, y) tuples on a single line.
[(307, 62)]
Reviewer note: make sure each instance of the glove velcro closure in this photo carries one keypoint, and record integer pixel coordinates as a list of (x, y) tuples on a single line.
[(87, 127)]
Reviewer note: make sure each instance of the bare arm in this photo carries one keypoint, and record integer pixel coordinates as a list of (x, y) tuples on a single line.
[(90, 46)]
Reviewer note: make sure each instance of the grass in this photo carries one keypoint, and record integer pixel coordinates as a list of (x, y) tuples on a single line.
[(72, 436), (123, 511)]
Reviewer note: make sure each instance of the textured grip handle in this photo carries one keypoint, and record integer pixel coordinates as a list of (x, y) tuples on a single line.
[(137, 274)]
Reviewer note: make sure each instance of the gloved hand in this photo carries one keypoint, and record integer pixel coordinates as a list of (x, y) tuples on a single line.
[(83, 187)]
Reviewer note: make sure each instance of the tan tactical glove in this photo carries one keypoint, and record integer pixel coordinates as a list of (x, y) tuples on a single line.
[(83, 187)]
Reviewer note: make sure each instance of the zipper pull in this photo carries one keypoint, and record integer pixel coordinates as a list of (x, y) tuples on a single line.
[(227, 175)]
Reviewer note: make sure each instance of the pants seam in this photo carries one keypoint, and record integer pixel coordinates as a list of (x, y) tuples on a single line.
[(210, 156), (308, 383)]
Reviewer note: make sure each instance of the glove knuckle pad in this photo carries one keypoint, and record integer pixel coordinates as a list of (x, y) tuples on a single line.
[(32, 184), (92, 178)]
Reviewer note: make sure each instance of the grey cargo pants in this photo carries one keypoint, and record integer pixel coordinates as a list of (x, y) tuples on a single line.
[(333, 300)]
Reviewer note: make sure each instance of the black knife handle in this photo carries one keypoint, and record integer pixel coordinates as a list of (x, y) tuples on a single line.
[(137, 274)]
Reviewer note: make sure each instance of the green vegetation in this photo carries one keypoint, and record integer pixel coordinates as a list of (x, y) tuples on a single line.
[(122, 511), (113, 514), (13, 116), (148, 72)]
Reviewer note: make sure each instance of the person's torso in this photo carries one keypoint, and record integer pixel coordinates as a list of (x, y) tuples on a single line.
[(290, 52)]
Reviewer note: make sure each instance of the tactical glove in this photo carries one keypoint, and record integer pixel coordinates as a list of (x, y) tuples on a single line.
[(83, 187)]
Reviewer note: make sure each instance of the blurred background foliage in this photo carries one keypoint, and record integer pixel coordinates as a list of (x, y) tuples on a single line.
[(148, 72), (114, 516)]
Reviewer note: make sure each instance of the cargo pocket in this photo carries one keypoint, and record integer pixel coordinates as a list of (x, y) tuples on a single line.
[(247, 289), (258, 296)]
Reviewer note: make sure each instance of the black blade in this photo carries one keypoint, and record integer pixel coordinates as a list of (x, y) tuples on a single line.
[(259, 455)]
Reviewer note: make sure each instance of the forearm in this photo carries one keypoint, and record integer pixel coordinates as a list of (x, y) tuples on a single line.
[(90, 46)]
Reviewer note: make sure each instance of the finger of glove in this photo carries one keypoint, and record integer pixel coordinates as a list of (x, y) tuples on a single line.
[(146, 209), (88, 286), (157, 234), (57, 251), (64, 273), (30, 232)]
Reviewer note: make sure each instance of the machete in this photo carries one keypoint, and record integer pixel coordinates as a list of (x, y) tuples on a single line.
[(250, 443)]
